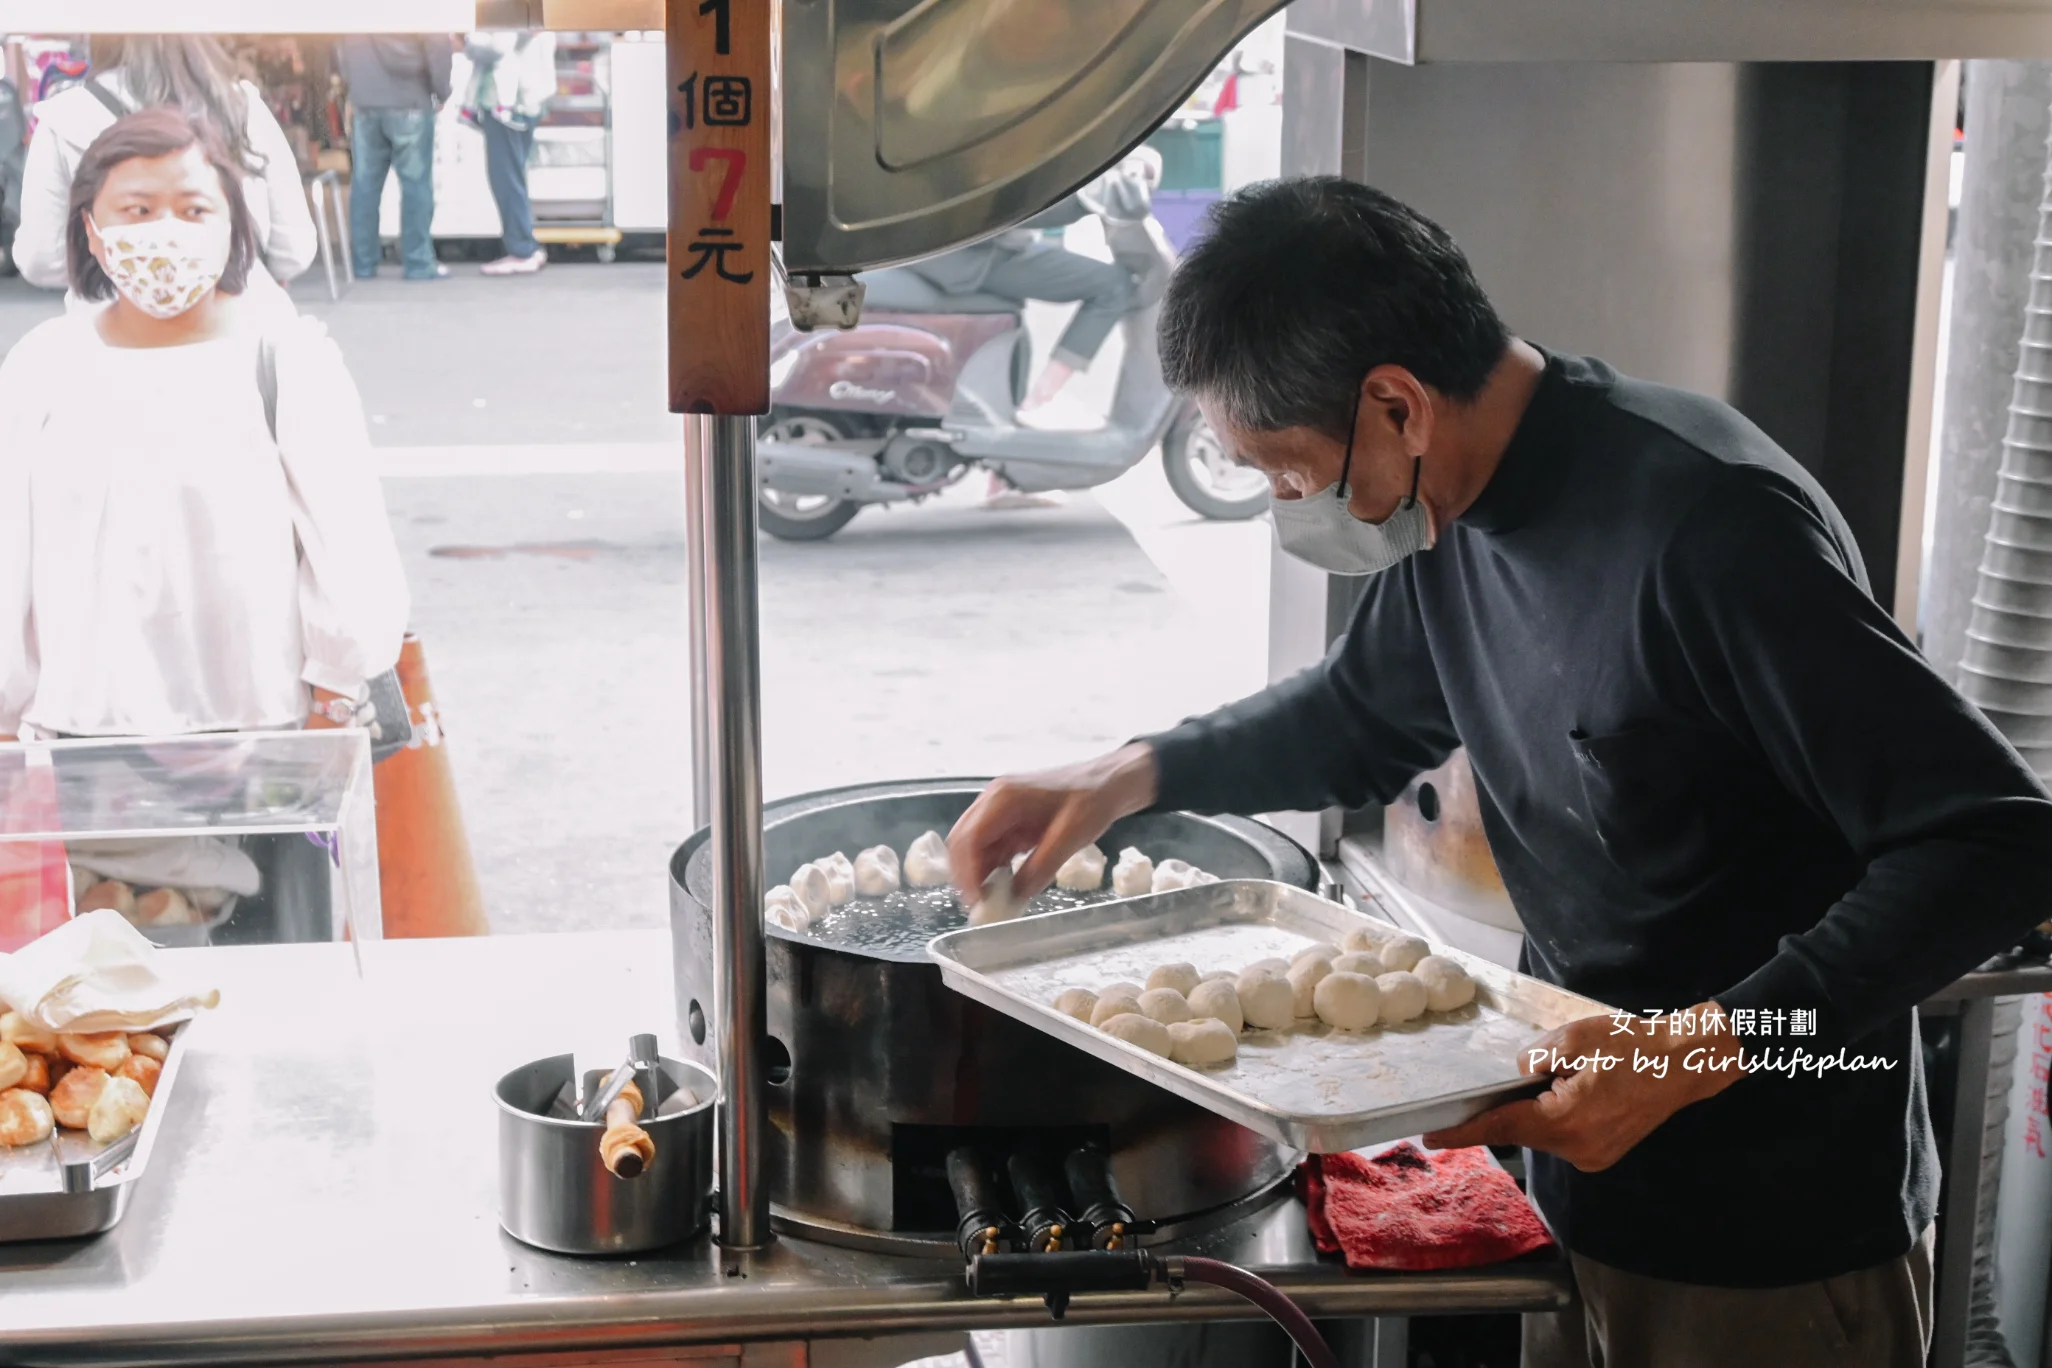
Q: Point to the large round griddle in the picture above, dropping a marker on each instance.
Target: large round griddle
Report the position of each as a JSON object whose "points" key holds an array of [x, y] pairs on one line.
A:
{"points": [[877, 1068]]}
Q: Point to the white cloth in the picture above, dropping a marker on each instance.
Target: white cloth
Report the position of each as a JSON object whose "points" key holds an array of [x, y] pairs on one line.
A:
{"points": [[66, 125], [98, 973], [165, 566], [182, 862]]}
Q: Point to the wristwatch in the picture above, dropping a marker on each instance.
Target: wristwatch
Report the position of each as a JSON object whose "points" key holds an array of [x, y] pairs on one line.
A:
{"points": [[340, 711]]}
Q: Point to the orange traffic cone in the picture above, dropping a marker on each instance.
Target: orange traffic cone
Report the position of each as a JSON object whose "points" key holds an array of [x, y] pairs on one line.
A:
{"points": [[425, 875]]}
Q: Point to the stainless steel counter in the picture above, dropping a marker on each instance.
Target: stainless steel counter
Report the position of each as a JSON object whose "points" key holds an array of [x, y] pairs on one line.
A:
{"points": [[324, 1190]]}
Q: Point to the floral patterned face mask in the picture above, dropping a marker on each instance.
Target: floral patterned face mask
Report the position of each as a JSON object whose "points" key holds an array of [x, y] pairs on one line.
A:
{"points": [[166, 265]]}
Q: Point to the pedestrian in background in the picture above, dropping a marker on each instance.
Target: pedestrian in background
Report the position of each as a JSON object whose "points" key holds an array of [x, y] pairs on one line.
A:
{"points": [[192, 73], [396, 83], [513, 78], [192, 536]]}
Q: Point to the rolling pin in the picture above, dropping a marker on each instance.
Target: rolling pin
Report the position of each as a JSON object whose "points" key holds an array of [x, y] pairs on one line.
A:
{"points": [[625, 1148]]}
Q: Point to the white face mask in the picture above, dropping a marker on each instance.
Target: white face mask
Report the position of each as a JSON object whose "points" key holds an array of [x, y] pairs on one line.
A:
{"points": [[165, 265], [1320, 530]]}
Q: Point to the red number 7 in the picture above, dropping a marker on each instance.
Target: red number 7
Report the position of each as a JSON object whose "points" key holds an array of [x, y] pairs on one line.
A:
{"points": [[730, 179]]}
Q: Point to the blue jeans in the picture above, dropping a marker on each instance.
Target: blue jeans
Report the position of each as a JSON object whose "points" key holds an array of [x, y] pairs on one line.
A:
{"points": [[506, 152], [401, 140]]}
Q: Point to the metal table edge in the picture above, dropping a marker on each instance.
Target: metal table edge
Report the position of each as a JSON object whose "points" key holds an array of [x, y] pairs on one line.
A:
{"points": [[804, 1311]]}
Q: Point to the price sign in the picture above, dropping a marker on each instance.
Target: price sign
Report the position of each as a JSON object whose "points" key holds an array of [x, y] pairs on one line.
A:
{"points": [[719, 240]]}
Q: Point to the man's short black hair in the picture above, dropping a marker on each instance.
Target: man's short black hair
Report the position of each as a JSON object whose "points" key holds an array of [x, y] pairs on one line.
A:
{"points": [[1303, 286]]}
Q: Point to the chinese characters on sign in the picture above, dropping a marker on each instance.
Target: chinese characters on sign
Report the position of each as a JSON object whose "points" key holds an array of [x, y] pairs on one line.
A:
{"points": [[1741, 1021], [718, 56]]}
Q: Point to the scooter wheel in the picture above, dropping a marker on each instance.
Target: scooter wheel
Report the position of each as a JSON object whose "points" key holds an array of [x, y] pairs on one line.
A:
{"points": [[1205, 477], [788, 519]]}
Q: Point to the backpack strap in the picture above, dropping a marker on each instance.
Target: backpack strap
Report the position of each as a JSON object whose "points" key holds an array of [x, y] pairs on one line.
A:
{"points": [[114, 103]]}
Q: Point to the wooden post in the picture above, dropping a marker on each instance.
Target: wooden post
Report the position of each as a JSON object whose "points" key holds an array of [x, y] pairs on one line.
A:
{"points": [[719, 232]]}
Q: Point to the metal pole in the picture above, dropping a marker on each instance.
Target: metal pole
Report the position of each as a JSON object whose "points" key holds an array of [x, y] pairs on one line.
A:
{"points": [[734, 719], [697, 443]]}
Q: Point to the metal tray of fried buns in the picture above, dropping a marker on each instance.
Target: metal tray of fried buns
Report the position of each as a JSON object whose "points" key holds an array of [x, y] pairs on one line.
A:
{"points": [[1312, 1087], [70, 1185]]}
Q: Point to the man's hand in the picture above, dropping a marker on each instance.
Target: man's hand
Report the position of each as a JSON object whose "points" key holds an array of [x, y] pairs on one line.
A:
{"points": [[1593, 1115], [1053, 813]]}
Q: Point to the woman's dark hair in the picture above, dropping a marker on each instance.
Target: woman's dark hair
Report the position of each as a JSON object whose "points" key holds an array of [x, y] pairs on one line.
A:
{"points": [[192, 72], [156, 132], [1304, 286]]}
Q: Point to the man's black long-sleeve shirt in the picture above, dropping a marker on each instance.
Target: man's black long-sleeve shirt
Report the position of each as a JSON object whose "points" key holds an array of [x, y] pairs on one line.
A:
{"points": [[1709, 766]]}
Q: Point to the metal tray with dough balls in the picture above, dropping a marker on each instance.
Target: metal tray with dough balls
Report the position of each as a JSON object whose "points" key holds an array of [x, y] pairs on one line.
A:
{"points": [[1312, 1087]]}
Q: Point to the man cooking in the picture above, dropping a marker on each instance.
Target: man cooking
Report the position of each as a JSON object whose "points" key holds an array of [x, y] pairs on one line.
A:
{"points": [[1719, 782]]}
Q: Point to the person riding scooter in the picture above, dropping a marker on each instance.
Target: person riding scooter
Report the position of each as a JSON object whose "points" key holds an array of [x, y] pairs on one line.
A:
{"points": [[1023, 264], [934, 379]]}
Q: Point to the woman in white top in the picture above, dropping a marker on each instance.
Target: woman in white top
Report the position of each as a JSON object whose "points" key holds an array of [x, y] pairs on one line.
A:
{"points": [[192, 73], [191, 538]]}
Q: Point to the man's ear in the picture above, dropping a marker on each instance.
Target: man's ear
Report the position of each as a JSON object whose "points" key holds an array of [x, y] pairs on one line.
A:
{"points": [[1407, 403]]}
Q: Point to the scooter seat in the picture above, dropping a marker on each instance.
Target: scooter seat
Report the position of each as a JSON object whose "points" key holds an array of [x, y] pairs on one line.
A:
{"points": [[896, 289]]}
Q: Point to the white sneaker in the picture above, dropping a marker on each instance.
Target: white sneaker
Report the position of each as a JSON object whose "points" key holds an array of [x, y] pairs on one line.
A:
{"points": [[1063, 413], [514, 265]]}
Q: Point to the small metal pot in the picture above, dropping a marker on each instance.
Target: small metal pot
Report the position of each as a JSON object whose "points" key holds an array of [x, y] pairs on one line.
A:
{"points": [[555, 1191]]}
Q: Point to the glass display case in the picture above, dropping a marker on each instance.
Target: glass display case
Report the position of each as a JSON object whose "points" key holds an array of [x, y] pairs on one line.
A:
{"points": [[218, 839]]}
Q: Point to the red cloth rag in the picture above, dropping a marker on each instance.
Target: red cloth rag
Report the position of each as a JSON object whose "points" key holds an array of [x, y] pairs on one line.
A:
{"points": [[1406, 1209]]}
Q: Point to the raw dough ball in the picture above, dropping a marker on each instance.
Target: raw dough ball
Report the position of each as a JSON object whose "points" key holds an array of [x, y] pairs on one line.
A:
{"points": [[1171, 875], [1181, 976], [840, 872], [1144, 1031], [877, 872], [1321, 951], [998, 902], [1304, 977], [1266, 1000], [1126, 986], [926, 861], [1082, 872], [1447, 984], [1403, 952], [809, 884], [1165, 1005], [1358, 962], [1219, 975], [1076, 1002], [1111, 1003], [781, 908], [1219, 1000], [24, 1118], [1403, 996], [1279, 967], [1350, 1002], [119, 1109], [1133, 874], [1360, 938], [1203, 1042]]}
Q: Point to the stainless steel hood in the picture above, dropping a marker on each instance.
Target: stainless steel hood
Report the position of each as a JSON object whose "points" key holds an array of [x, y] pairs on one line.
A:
{"points": [[931, 123]]}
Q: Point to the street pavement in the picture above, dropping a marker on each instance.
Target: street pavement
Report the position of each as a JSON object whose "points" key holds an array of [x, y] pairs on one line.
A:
{"points": [[531, 473]]}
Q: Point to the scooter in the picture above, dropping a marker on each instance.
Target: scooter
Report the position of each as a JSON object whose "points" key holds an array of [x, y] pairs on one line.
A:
{"points": [[927, 386]]}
